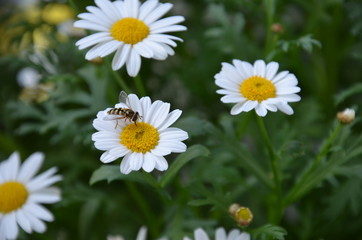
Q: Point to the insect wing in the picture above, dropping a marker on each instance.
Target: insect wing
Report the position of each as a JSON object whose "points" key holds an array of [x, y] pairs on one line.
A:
{"points": [[110, 117], [123, 98]]}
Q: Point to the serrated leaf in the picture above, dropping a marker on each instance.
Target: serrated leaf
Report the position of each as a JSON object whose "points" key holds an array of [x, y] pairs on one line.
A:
{"points": [[269, 231], [191, 153]]}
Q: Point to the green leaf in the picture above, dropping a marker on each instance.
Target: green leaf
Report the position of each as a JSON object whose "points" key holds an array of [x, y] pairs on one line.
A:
{"points": [[269, 231], [200, 202], [112, 172], [191, 153], [353, 90]]}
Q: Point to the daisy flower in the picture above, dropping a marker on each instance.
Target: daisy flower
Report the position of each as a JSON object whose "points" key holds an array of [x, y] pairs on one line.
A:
{"points": [[142, 143], [130, 29], [21, 195], [257, 87], [220, 234]]}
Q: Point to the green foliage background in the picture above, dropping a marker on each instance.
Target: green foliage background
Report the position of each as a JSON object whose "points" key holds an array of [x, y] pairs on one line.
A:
{"points": [[227, 160]]}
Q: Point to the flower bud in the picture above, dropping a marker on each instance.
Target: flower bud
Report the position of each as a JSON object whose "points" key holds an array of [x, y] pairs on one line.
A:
{"points": [[347, 116], [242, 215], [277, 28]]}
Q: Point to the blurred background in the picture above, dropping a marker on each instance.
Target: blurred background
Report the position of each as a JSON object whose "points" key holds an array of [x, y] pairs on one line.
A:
{"points": [[50, 95]]}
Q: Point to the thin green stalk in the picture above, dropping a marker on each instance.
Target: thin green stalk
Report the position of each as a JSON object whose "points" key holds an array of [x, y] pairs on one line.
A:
{"points": [[150, 218], [74, 6], [270, 13], [274, 166], [139, 85], [121, 82], [295, 192]]}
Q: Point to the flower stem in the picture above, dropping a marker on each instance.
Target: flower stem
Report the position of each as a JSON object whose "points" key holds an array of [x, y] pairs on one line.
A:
{"points": [[274, 166], [121, 82], [139, 85], [270, 12], [151, 220], [297, 191]]}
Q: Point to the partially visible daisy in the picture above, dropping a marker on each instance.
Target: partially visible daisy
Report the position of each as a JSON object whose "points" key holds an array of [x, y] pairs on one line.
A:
{"points": [[142, 235], [141, 144], [22, 193], [220, 234], [130, 29], [257, 87]]}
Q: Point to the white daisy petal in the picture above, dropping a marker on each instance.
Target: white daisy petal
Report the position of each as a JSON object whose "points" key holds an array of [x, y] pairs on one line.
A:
{"points": [[173, 134], [131, 30], [160, 115], [133, 63], [257, 87], [31, 166], [121, 56], [220, 234], [26, 214], [200, 234], [259, 68], [161, 163], [149, 162], [106, 157], [271, 70], [23, 222], [158, 12], [171, 118], [126, 164], [146, 8]]}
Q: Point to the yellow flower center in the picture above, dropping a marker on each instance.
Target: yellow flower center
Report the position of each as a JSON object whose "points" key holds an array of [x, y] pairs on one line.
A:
{"points": [[12, 196], [140, 138], [129, 30], [257, 88]]}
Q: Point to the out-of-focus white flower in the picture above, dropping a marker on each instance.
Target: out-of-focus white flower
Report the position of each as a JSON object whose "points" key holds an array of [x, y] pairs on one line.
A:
{"points": [[220, 234], [22, 193], [28, 77]]}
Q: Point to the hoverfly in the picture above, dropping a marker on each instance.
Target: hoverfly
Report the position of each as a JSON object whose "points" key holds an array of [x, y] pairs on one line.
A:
{"points": [[123, 113]]}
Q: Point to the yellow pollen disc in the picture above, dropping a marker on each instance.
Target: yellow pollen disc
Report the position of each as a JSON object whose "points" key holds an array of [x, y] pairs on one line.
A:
{"points": [[129, 30], [140, 138], [257, 88], [12, 196]]}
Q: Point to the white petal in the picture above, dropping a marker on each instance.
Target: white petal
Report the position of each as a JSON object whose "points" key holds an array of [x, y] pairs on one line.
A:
{"points": [[31, 166], [161, 163], [161, 151], [90, 26], [285, 108], [99, 17], [121, 57], [119, 152], [171, 118], [143, 50], [39, 212], [36, 224], [125, 164], [142, 234], [166, 22], [12, 230], [237, 108], [47, 195], [173, 146], [159, 115], [248, 105], [232, 98], [23, 221], [173, 134], [280, 76], [108, 8], [230, 73], [259, 68], [133, 63], [261, 110], [271, 70], [132, 7], [146, 8], [246, 69], [158, 12], [172, 28], [106, 157], [220, 234], [12, 167], [200, 234], [149, 162]]}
